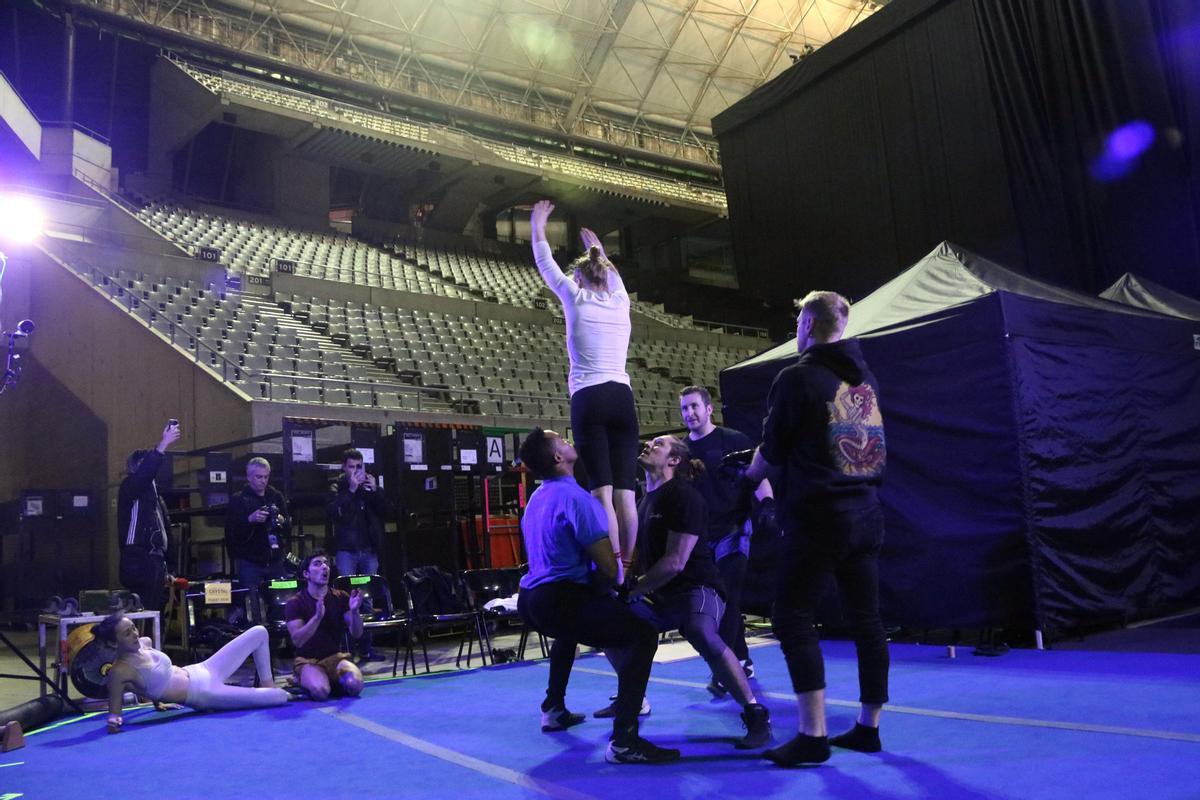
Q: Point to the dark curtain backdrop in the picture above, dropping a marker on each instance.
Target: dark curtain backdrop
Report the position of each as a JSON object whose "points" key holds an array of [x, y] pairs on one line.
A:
{"points": [[976, 121]]}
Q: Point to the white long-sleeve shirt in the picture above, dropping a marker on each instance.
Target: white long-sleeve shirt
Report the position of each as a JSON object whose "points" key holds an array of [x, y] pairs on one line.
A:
{"points": [[597, 324]]}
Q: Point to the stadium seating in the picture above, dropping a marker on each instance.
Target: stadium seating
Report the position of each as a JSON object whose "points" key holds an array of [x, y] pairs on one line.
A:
{"points": [[599, 176], [333, 351]]}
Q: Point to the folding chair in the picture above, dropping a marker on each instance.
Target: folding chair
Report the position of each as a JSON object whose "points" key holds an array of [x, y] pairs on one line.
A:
{"points": [[382, 614], [440, 601]]}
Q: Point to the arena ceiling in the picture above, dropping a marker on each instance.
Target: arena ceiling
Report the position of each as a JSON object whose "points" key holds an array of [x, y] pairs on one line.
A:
{"points": [[674, 61], [669, 65]]}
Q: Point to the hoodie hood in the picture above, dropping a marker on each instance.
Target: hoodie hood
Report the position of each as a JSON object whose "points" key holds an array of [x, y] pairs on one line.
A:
{"points": [[843, 358]]}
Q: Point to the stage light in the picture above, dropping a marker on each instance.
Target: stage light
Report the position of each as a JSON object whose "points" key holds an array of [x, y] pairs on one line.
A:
{"points": [[1130, 141], [1123, 148], [21, 219]]}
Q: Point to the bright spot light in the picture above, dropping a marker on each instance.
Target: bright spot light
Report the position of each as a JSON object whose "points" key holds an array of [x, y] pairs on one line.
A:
{"points": [[20, 219], [1122, 149], [1130, 141]]}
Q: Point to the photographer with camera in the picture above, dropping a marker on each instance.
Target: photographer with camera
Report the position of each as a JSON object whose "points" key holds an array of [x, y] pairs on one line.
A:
{"points": [[256, 531], [142, 523], [357, 509]]}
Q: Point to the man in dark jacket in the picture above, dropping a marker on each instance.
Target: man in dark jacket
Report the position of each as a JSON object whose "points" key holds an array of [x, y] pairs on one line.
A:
{"points": [[358, 511], [142, 523], [825, 430], [256, 532]]}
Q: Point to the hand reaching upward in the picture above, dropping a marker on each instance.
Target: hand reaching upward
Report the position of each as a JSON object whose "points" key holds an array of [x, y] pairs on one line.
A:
{"points": [[542, 210], [590, 240]]}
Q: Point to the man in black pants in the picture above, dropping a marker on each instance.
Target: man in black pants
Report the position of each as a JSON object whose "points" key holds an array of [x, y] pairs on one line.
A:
{"points": [[728, 512], [825, 429], [566, 532], [142, 524], [681, 575]]}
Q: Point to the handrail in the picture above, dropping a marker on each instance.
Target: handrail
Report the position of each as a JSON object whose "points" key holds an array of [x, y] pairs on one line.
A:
{"points": [[729, 327], [58, 123]]}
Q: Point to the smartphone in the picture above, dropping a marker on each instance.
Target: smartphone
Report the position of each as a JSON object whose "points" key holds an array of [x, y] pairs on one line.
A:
{"points": [[172, 422]]}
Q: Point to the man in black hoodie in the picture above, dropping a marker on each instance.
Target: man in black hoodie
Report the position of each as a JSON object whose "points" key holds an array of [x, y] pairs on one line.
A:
{"points": [[824, 428], [142, 524]]}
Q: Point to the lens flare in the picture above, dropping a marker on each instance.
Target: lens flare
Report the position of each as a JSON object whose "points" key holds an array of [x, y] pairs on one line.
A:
{"points": [[20, 219], [1122, 150]]}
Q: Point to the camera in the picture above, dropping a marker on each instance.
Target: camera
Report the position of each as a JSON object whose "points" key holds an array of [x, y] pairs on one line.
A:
{"points": [[172, 423], [272, 521]]}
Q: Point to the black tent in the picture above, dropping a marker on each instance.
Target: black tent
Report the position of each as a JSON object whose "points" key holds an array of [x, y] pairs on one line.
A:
{"points": [[1134, 290], [1044, 447]]}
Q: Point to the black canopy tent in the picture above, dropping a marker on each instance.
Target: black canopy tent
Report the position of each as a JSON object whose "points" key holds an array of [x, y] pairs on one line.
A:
{"points": [[1044, 447], [1134, 290]]}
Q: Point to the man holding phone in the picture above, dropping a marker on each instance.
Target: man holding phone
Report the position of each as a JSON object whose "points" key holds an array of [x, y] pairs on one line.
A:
{"points": [[357, 510], [142, 523]]}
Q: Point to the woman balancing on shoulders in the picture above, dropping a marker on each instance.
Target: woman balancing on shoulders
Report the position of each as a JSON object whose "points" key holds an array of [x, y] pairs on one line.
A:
{"points": [[150, 673], [604, 419]]}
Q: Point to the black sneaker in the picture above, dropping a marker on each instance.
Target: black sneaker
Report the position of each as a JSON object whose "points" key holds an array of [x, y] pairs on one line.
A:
{"points": [[757, 720], [559, 719], [748, 668], [716, 688], [637, 750]]}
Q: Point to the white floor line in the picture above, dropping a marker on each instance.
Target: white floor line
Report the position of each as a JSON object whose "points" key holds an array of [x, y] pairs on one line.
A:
{"points": [[960, 715], [460, 759]]}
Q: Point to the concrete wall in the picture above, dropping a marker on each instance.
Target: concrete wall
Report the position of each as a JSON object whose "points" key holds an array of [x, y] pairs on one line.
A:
{"points": [[301, 190]]}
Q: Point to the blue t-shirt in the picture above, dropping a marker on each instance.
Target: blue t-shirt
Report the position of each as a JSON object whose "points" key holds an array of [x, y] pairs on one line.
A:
{"points": [[561, 521]]}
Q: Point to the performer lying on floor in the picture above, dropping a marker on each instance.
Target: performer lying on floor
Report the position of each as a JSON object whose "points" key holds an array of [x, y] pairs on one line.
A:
{"points": [[149, 672]]}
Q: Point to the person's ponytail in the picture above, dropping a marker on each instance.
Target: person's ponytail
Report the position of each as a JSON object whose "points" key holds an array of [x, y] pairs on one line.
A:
{"points": [[593, 267]]}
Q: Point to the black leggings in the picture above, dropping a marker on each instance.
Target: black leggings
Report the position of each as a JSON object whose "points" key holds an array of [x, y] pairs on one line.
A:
{"points": [[573, 614], [696, 613], [604, 425], [842, 545]]}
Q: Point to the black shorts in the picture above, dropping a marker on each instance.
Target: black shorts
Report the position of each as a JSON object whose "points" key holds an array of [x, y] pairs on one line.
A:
{"points": [[604, 425]]}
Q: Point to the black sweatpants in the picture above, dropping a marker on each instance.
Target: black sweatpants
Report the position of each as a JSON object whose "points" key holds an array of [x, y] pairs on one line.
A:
{"points": [[827, 545], [144, 573]]}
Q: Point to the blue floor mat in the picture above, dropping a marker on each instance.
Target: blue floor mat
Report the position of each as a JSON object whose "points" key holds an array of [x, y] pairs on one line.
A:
{"points": [[1026, 725]]}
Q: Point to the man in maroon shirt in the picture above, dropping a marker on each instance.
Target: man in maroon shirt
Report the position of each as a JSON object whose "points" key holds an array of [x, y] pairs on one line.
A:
{"points": [[318, 619]]}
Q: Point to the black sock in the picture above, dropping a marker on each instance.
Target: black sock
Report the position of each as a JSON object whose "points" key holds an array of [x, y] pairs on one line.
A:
{"points": [[862, 738], [801, 750], [624, 735]]}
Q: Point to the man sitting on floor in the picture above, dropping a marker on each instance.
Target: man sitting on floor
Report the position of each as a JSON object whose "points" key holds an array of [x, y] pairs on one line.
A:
{"points": [[566, 531], [318, 619]]}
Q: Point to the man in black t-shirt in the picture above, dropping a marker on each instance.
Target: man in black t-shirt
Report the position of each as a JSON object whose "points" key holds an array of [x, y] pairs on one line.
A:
{"points": [[318, 619], [728, 513], [681, 577]]}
